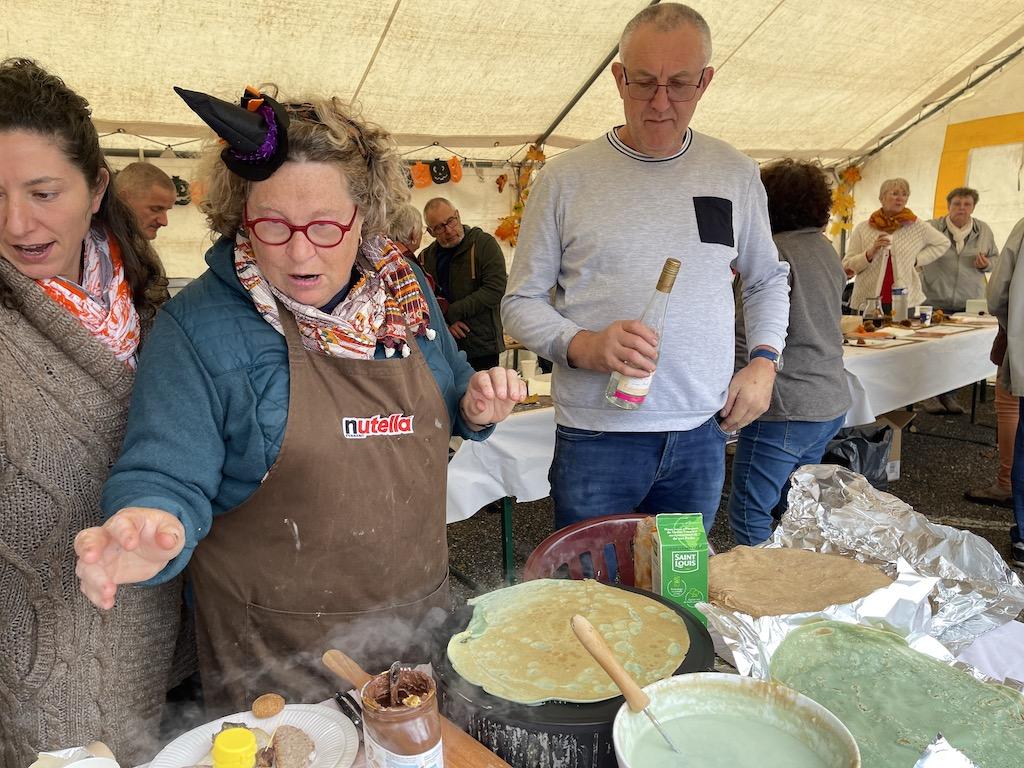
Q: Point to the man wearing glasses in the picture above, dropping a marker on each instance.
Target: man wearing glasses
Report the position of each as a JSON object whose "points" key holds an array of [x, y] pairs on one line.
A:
{"points": [[599, 225], [469, 268]]}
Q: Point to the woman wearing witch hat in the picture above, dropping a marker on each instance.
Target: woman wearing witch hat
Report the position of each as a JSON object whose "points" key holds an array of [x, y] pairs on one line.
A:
{"points": [[288, 437]]}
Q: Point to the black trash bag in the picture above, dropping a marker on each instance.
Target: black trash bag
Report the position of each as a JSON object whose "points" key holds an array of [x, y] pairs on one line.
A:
{"points": [[864, 450]]}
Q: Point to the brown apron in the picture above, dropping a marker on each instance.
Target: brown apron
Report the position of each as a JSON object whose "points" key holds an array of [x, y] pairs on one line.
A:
{"points": [[342, 546]]}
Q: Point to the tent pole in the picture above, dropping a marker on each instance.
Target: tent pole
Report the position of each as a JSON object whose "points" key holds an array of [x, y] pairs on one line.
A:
{"points": [[579, 94]]}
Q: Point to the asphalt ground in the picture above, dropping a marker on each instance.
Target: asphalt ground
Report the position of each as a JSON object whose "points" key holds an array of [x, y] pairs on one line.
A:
{"points": [[942, 456]]}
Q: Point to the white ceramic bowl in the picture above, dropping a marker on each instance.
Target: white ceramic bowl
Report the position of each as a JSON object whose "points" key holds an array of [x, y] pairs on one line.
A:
{"points": [[714, 693]]}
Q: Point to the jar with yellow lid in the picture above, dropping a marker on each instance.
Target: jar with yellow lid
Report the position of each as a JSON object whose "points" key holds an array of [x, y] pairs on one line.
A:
{"points": [[234, 748]]}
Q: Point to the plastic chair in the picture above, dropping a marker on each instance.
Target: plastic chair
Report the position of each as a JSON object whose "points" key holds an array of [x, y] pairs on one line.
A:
{"points": [[600, 548]]}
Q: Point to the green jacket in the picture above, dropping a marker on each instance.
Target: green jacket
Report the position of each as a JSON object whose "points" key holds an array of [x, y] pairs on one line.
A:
{"points": [[477, 275]]}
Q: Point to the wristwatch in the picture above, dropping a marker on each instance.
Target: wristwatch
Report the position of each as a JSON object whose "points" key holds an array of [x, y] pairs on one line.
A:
{"points": [[768, 354]]}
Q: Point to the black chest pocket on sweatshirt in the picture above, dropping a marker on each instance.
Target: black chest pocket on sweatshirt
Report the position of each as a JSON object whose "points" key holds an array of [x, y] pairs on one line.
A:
{"points": [[714, 220]]}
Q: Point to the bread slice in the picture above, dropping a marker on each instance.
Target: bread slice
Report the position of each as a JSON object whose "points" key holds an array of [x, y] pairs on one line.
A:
{"points": [[293, 747]]}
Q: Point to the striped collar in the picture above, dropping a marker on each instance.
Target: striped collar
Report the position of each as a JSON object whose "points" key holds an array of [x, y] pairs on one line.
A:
{"points": [[618, 144]]}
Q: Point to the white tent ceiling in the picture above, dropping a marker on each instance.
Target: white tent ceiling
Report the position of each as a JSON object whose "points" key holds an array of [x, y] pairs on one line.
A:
{"points": [[816, 78]]}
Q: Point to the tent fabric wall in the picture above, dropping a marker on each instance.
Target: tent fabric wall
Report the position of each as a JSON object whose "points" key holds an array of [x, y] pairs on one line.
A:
{"points": [[816, 78]]}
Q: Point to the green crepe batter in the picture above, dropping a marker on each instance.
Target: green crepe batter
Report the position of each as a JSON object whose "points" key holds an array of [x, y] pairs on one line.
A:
{"points": [[724, 741], [895, 700]]}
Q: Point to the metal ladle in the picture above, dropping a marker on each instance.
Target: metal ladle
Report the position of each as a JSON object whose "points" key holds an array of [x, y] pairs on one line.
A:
{"points": [[637, 700]]}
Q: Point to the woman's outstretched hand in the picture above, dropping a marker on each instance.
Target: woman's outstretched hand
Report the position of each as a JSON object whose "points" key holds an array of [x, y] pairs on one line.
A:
{"points": [[133, 545]]}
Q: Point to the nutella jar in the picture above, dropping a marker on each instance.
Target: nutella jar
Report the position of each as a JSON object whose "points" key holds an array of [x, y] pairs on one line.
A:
{"points": [[401, 724]]}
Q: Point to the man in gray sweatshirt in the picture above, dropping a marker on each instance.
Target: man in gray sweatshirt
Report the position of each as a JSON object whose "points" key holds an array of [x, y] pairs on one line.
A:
{"points": [[599, 224]]}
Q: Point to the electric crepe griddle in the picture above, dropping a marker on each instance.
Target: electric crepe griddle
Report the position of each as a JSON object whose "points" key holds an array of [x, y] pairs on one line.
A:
{"points": [[554, 733]]}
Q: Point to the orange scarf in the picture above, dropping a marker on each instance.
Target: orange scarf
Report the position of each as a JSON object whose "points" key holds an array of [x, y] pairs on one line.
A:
{"points": [[103, 302], [385, 305], [883, 222]]}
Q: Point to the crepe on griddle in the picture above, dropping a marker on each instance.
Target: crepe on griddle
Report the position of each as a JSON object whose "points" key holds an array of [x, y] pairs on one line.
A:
{"points": [[519, 645], [762, 581], [895, 699]]}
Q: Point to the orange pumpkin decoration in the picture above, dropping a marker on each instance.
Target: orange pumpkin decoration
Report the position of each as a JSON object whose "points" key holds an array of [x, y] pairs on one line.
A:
{"points": [[455, 167], [421, 175]]}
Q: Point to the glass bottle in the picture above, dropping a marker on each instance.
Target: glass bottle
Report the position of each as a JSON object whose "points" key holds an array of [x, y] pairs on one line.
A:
{"points": [[899, 304], [626, 391]]}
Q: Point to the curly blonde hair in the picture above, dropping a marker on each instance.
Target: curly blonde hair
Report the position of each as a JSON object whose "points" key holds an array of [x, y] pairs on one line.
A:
{"points": [[325, 130]]}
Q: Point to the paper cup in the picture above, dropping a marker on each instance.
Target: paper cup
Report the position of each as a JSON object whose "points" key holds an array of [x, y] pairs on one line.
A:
{"points": [[924, 313]]}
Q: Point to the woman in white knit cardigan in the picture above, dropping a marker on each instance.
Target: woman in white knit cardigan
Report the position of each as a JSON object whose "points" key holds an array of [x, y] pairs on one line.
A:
{"points": [[891, 235]]}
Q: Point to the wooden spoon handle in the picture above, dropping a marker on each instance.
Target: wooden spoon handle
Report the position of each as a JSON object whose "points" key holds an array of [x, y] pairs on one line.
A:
{"points": [[346, 668], [598, 648]]}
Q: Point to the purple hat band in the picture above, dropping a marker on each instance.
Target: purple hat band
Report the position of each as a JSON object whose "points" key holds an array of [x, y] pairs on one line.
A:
{"points": [[269, 144]]}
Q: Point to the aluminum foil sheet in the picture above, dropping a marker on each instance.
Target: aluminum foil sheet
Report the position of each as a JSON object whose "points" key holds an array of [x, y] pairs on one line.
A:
{"points": [[832, 509], [902, 607], [941, 754], [951, 585]]}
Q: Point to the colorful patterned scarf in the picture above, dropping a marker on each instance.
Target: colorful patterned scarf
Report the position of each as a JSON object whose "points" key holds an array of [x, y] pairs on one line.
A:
{"points": [[103, 302], [383, 306], [883, 222]]}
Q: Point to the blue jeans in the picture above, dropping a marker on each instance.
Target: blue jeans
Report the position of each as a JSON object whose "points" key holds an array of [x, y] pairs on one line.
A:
{"points": [[1017, 481], [766, 455], [612, 473]]}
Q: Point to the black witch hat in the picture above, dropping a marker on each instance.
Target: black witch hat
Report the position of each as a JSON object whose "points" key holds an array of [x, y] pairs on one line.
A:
{"points": [[255, 130]]}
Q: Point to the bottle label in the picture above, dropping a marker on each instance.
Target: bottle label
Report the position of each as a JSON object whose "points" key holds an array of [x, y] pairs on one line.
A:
{"points": [[633, 390], [379, 757]]}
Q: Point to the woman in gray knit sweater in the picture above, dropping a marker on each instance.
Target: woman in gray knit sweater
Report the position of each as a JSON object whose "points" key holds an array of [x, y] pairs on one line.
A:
{"points": [[79, 285]]}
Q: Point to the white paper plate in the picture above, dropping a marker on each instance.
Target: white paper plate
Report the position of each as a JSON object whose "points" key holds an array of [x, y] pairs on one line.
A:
{"points": [[336, 739]]}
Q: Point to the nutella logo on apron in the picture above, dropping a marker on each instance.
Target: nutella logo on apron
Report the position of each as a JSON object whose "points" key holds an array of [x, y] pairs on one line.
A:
{"points": [[376, 426]]}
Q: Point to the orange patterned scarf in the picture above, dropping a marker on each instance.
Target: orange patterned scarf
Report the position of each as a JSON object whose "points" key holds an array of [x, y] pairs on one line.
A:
{"points": [[385, 305], [103, 302], [883, 222]]}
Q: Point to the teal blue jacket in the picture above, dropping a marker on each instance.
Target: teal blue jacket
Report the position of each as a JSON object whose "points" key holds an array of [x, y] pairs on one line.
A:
{"points": [[210, 403]]}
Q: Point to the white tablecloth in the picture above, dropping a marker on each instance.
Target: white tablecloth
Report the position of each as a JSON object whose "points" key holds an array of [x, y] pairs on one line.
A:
{"points": [[514, 460], [882, 380]]}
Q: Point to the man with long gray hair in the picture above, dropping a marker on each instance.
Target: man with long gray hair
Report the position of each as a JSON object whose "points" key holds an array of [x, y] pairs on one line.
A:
{"points": [[599, 224]]}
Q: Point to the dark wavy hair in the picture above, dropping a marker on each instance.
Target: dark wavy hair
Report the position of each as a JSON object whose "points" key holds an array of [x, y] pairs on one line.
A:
{"points": [[34, 101], [799, 195]]}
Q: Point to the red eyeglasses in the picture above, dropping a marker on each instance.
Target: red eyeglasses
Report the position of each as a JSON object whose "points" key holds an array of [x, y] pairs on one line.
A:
{"points": [[322, 233]]}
